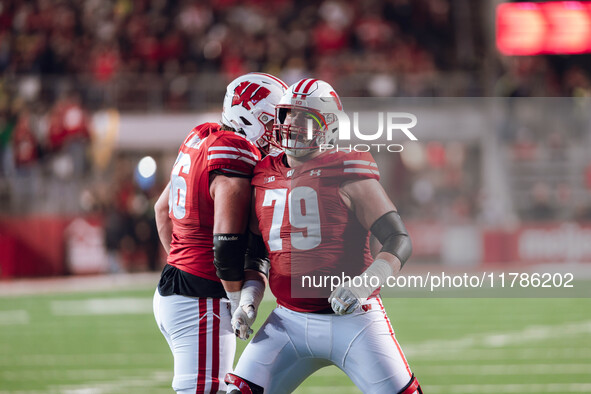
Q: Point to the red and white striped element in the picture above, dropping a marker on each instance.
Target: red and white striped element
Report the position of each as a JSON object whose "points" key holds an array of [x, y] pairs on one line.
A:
{"points": [[394, 337], [273, 78], [304, 88], [413, 387], [231, 153], [360, 167], [208, 363], [238, 382], [193, 141]]}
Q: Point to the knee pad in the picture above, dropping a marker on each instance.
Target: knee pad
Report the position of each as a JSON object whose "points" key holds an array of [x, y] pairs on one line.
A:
{"points": [[412, 387], [237, 385]]}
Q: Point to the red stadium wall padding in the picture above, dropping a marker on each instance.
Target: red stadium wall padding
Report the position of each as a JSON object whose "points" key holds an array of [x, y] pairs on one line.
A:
{"points": [[36, 246], [498, 246], [32, 246], [7, 256], [539, 243], [529, 243], [427, 238]]}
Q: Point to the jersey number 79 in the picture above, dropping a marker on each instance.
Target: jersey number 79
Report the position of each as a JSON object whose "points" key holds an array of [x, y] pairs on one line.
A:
{"points": [[304, 214]]}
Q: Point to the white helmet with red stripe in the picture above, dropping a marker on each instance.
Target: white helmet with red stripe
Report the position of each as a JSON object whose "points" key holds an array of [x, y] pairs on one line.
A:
{"points": [[249, 104], [307, 116]]}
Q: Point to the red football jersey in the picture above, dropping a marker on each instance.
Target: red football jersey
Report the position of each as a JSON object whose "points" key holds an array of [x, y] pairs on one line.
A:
{"points": [[206, 148], [308, 230]]}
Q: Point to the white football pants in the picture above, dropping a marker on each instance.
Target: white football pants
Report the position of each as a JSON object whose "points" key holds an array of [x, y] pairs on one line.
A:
{"points": [[290, 346], [199, 334]]}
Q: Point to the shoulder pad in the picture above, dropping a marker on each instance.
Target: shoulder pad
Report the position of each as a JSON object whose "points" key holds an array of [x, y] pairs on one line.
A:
{"points": [[231, 152], [353, 165], [205, 129], [264, 168]]}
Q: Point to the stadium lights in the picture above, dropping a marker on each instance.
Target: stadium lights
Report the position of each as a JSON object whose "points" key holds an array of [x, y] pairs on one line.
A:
{"points": [[544, 28], [147, 167], [145, 172]]}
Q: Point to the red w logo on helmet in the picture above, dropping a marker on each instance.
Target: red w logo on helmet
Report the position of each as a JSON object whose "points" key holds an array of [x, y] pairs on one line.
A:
{"points": [[248, 93]]}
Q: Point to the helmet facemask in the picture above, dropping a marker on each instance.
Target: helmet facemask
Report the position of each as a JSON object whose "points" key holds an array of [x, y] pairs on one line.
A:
{"points": [[306, 118], [299, 131]]}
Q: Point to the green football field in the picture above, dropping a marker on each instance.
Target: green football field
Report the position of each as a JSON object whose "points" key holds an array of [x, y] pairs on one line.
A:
{"points": [[107, 342]]}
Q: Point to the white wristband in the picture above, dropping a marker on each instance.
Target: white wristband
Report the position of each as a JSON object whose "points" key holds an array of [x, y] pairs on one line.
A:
{"points": [[234, 297], [252, 293], [379, 269]]}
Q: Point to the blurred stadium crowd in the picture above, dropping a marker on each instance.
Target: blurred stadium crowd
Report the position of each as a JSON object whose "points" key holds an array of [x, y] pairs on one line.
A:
{"points": [[169, 42], [64, 61], [375, 48]]}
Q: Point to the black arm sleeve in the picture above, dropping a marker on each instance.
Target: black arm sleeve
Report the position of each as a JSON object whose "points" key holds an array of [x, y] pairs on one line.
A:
{"points": [[229, 173], [257, 257], [228, 251], [391, 232]]}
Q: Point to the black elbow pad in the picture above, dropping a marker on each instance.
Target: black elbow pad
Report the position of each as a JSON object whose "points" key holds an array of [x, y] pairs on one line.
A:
{"points": [[392, 234], [257, 257], [228, 251]]}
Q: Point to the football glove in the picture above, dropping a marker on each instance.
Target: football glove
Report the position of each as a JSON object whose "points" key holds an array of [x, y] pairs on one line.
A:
{"points": [[242, 319], [246, 313], [345, 299]]}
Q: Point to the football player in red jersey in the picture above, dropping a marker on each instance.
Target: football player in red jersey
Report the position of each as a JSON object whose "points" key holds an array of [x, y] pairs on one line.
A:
{"points": [[315, 211], [208, 287]]}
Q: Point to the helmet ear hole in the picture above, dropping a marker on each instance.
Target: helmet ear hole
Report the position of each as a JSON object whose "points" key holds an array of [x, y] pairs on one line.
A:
{"points": [[246, 122]]}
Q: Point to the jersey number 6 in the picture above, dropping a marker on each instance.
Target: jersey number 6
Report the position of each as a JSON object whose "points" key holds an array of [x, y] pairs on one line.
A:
{"points": [[178, 186]]}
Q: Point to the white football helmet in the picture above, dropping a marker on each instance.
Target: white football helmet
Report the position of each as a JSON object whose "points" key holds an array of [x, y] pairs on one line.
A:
{"points": [[307, 116], [250, 103]]}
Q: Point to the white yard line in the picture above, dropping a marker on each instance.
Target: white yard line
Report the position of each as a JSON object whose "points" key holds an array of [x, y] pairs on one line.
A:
{"points": [[19, 316], [332, 389], [535, 333], [45, 374], [510, 369], [470, 388], [79, 284], [510, 388], [102, 306], [44, 360], [122, 385], [550, 352]]}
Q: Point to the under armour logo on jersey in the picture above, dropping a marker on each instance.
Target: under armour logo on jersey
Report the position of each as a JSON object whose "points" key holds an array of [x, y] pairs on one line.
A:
{"points": [[290, 172], [315, 172], [270, 179], [248, 93]]}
